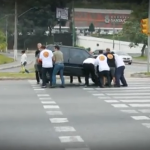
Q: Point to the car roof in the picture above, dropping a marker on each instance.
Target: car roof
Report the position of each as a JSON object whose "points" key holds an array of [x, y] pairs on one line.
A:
{"points": [[67, 46]]}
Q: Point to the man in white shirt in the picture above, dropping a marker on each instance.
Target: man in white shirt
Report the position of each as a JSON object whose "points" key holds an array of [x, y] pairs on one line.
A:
{"points": [[46, 58], [24, 62], [89, 69], [103, 69], [120, 66]]}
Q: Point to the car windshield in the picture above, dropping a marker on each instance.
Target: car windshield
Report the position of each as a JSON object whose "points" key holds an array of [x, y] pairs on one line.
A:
{"points": [[122, 53]]}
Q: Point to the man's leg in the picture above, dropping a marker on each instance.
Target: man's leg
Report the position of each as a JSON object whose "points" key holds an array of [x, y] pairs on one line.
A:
{"points": [[93, 74], [107, 75], [55, 71], [101, 83], [37, 77], [62, 75], [71, 79], [86, 73], [50, 71], [118, 75], [79, 79], [122, 78], [44, 71]]}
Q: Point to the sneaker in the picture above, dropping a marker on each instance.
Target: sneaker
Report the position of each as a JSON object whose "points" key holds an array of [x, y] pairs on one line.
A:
{"points": [[43, 86], [62, 86]]}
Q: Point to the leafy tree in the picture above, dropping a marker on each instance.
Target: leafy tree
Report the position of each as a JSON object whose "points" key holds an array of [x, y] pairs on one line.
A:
{"points": [[2, 41], [91, 28], [132, 30]]}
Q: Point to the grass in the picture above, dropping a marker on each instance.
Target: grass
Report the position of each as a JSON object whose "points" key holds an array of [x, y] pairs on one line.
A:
{"points": [[17, 75], [144, 58], [4, 59]]}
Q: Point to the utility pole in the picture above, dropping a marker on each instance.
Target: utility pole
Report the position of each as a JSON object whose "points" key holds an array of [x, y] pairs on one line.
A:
{"points": [[148, 51], [15, 33], [73, 38], [6, 34]]}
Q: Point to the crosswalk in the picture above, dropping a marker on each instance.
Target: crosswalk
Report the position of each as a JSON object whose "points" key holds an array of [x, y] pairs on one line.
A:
{"points": [[133, 100]]}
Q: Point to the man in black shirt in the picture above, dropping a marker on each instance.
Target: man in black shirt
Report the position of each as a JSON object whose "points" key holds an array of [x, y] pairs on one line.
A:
{"points": [[111, 64]]}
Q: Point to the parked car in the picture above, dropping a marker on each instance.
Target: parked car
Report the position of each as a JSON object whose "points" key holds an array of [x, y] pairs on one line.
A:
{"points": [[126, 58], [73, 59]]}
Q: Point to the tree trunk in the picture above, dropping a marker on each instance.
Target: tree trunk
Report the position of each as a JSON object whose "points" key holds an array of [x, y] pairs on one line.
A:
{"points": [[142, 50]]}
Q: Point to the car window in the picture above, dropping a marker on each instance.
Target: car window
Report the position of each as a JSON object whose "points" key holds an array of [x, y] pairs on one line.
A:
{"points": [[50, 47], [96, 52], [65, 51], [78, 56]]}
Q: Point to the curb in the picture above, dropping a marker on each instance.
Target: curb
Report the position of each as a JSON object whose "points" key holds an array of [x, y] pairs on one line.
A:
{"points": [[14, 66], [134, 62]]}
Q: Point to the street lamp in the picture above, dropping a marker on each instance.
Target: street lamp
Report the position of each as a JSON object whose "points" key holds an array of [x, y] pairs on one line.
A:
{"points": [[15, 29]]}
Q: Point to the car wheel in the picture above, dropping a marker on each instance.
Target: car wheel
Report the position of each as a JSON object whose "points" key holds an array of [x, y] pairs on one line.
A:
{"points": [[130, 63]]}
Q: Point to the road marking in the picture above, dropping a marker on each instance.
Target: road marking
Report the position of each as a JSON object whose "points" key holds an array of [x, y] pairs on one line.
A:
{"points": [[54, 113], [139, 105], [43, 95], [58, 120], [130, 111], [146, 125], [135, 101], [144, 110], [111, 101], [122, 88], [100, 94], [93, 91], [140, 117], [104, 97], [46, 98], [48, 102], [64, 129], [119, 105], [51, 107], [67, 139], [88, 89], [77, 149], [127, 91], [141, 94], [39, 89], [132, 97]]}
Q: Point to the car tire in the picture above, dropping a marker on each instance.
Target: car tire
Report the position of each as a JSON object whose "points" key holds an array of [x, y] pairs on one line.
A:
{"points": [[130, 63]]}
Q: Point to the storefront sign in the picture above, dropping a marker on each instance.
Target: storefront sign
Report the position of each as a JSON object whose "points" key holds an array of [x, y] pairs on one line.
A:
{"points": [[115, 19]]}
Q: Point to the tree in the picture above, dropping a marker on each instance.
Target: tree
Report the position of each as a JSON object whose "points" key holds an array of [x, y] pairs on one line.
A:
{"points": [[91, 28], [132, 30], [2, 41]]}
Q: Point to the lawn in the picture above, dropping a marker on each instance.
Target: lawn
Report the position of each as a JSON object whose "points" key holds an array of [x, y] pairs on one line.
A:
{"points": [[4, 59], [144, 58], [17, 75]]}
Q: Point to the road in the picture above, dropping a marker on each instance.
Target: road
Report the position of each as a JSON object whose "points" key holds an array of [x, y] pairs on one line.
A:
{"points": [[74, 118]]}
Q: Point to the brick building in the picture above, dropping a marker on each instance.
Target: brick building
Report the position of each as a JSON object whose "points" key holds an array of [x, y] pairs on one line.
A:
{"points": [[101, 18]]}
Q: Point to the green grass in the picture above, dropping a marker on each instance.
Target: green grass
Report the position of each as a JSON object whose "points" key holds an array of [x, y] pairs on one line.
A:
{"points": [[144, 58], [4, 59], [17, 75]]}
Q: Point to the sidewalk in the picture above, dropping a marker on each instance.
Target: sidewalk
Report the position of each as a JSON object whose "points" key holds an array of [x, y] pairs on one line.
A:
{"points": [[12, 65]]}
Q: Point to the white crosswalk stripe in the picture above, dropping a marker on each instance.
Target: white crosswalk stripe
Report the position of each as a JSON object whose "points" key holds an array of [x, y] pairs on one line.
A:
{"points": [[133, 100]]}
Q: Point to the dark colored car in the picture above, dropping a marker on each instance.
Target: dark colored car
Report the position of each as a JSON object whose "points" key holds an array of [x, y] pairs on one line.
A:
{"points": [[73, 59]]}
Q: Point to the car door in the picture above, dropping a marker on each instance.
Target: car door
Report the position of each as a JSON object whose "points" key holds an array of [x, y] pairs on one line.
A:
{"points": [[66, 53], [77, 56]]}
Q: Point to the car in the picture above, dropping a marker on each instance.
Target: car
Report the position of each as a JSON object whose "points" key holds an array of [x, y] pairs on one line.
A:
{"points": [[126, 58], [73, 59]]}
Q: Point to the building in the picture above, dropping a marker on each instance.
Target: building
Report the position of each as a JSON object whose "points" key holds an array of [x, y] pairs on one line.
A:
{"points": [[101, 18]]}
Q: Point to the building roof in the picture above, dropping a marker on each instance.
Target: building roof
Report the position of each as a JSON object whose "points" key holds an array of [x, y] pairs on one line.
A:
{"points": [[115, 11]]}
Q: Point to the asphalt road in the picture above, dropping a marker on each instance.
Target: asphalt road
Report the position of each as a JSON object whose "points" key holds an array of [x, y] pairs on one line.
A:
{"points": [[74, 118]]}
